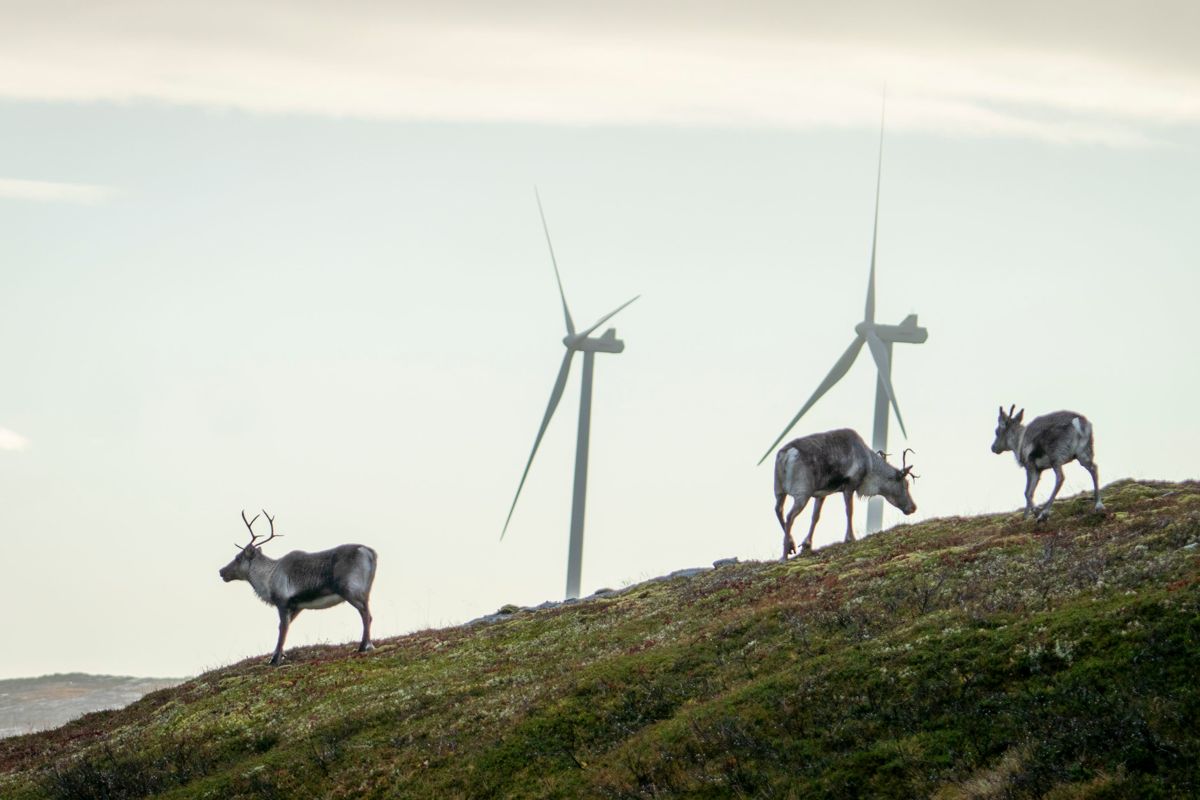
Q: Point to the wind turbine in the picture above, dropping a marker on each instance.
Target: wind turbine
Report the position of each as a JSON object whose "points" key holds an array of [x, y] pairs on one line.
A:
{"points": [[879, 338], [575, 342]]}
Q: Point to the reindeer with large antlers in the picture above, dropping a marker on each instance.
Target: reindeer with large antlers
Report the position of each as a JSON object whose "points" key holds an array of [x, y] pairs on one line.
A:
{"points": [[302, 580], [835, 461]]}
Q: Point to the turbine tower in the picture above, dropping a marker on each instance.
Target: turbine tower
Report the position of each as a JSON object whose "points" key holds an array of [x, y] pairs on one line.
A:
{"points": [[575, 342], [880, 339]]}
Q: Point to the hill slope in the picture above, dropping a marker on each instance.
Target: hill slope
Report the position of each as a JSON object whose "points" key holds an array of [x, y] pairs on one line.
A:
{"points": [[961, 657]]}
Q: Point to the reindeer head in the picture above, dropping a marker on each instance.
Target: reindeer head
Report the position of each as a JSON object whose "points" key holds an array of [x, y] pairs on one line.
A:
{"points": [[239, 568], [1007, 424], [894, 487]]}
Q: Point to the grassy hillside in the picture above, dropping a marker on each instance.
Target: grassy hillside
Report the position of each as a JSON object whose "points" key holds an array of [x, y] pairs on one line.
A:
{"points": [[958, 658]]}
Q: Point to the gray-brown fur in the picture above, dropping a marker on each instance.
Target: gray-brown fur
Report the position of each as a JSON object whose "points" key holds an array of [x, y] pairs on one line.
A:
{"points": [[301, 580], [1048, 442], [835, 461]]}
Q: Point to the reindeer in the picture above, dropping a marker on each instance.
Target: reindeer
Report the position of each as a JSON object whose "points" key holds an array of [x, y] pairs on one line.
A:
{"points": [[1049, 442], [302, 580], [834, 461]]}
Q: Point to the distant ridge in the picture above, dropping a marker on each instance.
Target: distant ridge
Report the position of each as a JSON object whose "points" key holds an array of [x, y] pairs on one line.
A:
{"points": [[34, 704], [965, 657]]}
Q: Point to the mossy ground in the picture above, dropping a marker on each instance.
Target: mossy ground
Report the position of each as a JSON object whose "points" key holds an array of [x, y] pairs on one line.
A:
{"points": [[958, 658]]}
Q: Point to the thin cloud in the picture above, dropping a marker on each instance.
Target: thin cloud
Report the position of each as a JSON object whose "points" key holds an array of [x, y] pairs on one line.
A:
{"points": [[53, 191], [10, 440], [953, 68]]}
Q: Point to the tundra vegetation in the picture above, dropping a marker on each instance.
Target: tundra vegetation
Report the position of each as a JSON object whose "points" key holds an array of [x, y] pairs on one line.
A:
{"points": [[955, 658]]}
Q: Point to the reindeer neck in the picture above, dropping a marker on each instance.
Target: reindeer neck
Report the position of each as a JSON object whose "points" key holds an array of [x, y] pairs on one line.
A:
{"points": [[1016, 437], [261, 570], [876, 472]]}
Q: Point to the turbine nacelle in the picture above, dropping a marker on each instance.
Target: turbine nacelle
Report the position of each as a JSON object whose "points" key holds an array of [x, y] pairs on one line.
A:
{"points": [[607, 342], [907, 331]]}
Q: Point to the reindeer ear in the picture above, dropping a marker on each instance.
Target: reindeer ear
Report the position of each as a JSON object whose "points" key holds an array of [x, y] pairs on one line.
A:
{"points": [[1020, 416], [1002, 417]]}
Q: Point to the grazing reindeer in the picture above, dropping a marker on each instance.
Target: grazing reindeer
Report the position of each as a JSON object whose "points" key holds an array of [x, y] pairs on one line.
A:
{"points": [[835, 461], [1049, 442], [302, 580]]}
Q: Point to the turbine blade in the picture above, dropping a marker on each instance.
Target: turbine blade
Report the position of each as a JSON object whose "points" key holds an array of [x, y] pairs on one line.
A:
{"points": [[835, 375], [879, 351], [554, 261], [555, 395], [606, 318], [869, 313]]}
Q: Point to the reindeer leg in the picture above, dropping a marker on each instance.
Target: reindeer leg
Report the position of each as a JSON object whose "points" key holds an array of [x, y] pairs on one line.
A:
{"points": [[1044, 514], [365, 613], [806, 545], [1094, 471], [849, 495], [285, 619], [1032, 476], [780, 499], [789, 544]]}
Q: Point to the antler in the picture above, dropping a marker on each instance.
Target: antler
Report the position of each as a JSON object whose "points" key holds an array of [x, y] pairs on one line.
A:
{"points": [[254, 536], [270, 520], [250, 526], [905, 468]]}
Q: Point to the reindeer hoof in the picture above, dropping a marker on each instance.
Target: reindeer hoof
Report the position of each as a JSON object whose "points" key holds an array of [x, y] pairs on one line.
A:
{"points": [[366, 648], [1100, 509]]}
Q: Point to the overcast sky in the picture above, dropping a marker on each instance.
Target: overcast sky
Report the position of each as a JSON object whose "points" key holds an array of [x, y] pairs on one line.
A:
{"points": [[288, 256]]}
